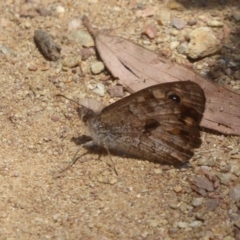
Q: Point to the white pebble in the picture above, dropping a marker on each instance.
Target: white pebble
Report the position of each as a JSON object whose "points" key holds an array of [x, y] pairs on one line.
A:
{"points": [[60, 9], [174, 45], [215, 23], [195, 224], [183, 224], [99, 90]]}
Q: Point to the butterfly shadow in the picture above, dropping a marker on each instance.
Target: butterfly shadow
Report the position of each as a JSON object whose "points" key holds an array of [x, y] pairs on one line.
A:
{"points": [[83, 140]]}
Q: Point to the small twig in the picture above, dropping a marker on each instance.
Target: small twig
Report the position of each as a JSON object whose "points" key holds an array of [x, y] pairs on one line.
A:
{"points": [[93, 31]]}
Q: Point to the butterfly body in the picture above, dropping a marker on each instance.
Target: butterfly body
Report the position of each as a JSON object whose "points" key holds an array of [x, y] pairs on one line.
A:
{"points": [[159, 123]]}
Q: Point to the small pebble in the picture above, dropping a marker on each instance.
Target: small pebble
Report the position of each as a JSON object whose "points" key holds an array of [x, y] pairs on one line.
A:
{"points": [[230, 238], [174, 32], [174, 5], [153, 223], [203, 182], [203, 18], [5, 50], [174, 205], [164, 17], [182, 224], [71, 62], [147, 12], [33, 68], [196, 202], [102, 179], [212, 204], [115, 91], [113, 180], [172, 230], [234, 192], [192, 22], [44, 12], [82, 37], [233, 209], [27, 25], [195, 224], [86, 53], [99, 90], [226, 178], [181, 49], [236, 15], [55, 118], [206, 161], [60, 9], [157, 170], [97, 67], [185, 207], [150, 30], [174, 45], [178, 23], [235, 169], [177, 188], [214, 23], [152, 47], [74, 24]]}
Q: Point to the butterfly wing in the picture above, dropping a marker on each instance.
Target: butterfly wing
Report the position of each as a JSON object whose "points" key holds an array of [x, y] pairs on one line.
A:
{"points": [[159, 123]]}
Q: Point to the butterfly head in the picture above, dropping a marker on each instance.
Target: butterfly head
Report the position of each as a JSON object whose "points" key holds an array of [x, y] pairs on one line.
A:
{"points": [[85, 114], [89, 108]]}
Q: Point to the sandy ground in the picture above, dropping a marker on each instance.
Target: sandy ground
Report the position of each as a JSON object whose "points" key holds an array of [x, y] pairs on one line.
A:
{"points": [[88, 201]]}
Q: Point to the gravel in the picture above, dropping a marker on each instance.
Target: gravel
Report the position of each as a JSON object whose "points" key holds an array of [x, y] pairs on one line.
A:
{"points": [[41, 132]]}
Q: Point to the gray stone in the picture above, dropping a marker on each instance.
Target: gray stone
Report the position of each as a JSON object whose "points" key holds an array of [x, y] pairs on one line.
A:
{"points": [[182, 48], [206, 161], [234, 192], [178, 23], [203, 183], [212, 204], [236, 15], [226, 178], [82, 37]]}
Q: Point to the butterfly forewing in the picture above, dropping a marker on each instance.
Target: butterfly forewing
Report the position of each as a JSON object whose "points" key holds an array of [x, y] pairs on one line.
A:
{"points": [[159, 123]]}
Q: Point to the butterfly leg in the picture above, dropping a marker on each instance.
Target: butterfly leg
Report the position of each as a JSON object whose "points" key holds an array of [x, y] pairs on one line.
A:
{"points": [[74, 160], [112, 162], [92, 145]]}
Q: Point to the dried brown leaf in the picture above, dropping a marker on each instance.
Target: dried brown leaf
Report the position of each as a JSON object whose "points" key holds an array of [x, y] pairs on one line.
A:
{"points": [[138, 68]]}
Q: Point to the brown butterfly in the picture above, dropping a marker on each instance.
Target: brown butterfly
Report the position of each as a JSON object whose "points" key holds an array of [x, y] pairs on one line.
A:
{"points": [[159, 123]]}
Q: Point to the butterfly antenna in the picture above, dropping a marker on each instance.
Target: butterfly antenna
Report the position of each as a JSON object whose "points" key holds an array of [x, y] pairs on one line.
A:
{"points": [[60, 95]]}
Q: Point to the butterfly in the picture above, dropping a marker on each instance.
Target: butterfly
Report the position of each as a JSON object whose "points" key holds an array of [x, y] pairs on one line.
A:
{"points": [[159, 123]]}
